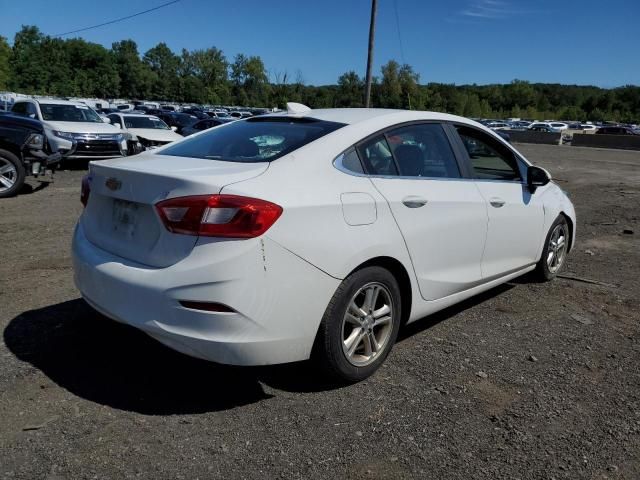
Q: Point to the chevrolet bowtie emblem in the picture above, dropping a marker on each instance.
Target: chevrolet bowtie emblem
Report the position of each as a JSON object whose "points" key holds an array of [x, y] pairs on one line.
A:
{"points": [[113, 183]]}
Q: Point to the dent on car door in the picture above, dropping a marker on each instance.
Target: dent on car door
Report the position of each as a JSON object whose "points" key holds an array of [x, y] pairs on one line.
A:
{"points": [[442, 217], [516, 216]]}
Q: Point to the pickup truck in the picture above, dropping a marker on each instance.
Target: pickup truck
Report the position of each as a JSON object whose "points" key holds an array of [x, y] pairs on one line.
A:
{"points": [[24, 150]]}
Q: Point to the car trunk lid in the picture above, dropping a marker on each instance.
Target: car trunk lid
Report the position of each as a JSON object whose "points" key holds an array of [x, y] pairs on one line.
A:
{"points": [[120, 216]]}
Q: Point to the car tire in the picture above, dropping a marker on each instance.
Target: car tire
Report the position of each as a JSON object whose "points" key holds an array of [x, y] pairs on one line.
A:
{"points": [[360, 325], [16, 174], [553, 255]]}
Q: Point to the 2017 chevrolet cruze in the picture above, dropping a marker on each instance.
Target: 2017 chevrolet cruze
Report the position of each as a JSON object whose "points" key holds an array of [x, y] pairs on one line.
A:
{"points": [[313, 233]]}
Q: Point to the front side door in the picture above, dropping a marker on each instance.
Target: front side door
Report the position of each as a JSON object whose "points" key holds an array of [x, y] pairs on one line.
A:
{"points": [[442, 217], [516, 217]]}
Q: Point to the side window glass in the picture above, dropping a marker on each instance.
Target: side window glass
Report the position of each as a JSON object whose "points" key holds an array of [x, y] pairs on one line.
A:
{"points": [[20, 108], [377, 157], [489, 158], [423, 150], [349, 160], [31, 110]]}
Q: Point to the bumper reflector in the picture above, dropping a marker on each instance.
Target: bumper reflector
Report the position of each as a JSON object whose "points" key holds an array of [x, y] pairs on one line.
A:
{"points": [[207, 306]]}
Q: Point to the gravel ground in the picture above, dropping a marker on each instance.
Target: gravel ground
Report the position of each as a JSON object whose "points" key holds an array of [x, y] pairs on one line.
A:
{"points": [[528, 381]]}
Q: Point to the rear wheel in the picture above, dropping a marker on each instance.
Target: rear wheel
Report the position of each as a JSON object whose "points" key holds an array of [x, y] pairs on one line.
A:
{"points": [[12, 174], [555, 250], [360, 325]]}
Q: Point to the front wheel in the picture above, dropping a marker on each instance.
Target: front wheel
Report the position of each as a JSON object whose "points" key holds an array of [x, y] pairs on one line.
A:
{"points": [[360, 325], [555, 250], [12, 174]]}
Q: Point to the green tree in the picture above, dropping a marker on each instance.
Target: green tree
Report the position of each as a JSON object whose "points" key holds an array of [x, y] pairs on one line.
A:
{"points": [[250, 81], [165, 65], [411, 95], [390, 90], [211, 68], [350, 90], [28, 65], [5, 70], [472, 108], [38, 64], [136, 78], [91, 68], [518, 92]]}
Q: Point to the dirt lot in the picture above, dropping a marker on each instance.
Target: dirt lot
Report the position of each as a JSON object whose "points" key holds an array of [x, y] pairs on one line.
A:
{"points": [[529, 381]]}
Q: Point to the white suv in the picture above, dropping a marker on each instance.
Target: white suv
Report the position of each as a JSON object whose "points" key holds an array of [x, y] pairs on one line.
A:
{"points": [[74, 129]]}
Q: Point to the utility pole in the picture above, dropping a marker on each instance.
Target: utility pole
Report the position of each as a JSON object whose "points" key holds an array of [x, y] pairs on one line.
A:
{"points": [[372, 30]]}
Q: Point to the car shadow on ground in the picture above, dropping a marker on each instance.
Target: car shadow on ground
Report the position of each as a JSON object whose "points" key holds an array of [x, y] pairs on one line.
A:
{"points": [[432, 320], [28, 189], [119, 366]]}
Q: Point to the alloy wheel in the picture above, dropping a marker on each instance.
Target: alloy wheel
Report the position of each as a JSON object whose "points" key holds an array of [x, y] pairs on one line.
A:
{"points": [[8, 174], [557, 248], [367, 324]]}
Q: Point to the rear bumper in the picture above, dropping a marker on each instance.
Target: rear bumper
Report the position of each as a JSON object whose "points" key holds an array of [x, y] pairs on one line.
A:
{"points": [[279, 299]]}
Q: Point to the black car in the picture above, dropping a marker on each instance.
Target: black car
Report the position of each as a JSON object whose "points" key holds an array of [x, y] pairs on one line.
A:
{"points": [[24, 150], [178, 120], [199, 114], [204, 125], [504, 135], [617, 131], [542, 128]]}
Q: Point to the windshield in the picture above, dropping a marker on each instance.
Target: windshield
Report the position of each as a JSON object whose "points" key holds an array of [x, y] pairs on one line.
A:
{"points": [[184, 119], [254, 140], [145, 122], [69, 113]]}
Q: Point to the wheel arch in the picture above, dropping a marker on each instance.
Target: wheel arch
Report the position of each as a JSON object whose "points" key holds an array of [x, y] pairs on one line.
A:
{"points": [[11, 148], [571, 229], [401, 275]]}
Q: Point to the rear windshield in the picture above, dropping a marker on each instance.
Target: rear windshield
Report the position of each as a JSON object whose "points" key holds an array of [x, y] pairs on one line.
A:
{"points": [[253, 140]]}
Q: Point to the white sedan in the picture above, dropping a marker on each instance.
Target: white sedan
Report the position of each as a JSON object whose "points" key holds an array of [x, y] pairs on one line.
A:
{"points": [[313, 233], [148, 130]]}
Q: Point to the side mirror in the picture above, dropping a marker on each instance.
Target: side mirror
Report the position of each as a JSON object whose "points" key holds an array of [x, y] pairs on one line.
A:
{"points": [[537, 177], [117, 125], [174, 128], [106, 119]]}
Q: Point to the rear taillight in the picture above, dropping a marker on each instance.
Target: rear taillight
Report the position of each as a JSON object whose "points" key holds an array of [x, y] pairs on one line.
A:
{"points": [[85, 190], [218, 215]]}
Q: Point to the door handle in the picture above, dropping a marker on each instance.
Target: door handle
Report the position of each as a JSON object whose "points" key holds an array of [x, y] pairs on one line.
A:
{"points": [[497, 202], [413, 201]]}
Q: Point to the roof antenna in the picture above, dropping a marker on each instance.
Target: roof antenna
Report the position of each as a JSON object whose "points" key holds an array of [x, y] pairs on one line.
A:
{"points": [[293, 107]]}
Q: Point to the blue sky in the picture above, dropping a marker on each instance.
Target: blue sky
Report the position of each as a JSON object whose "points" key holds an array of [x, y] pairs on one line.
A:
{"points": [[591, 42]]}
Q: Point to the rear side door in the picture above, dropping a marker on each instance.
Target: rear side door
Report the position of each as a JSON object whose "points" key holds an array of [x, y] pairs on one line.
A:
{"points": [[516, 217], [441, 215]]}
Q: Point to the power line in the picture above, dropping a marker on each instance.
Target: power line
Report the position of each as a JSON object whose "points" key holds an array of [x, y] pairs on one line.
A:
{"points": [[117, 19], [395, 6]]}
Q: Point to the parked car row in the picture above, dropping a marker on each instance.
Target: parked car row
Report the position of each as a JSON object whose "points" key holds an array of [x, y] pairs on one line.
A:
{"points": [[552, 126], [37, 133]]}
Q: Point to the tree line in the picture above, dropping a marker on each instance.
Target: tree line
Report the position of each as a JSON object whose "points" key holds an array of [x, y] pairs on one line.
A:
{"points": [[40, 64]]}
